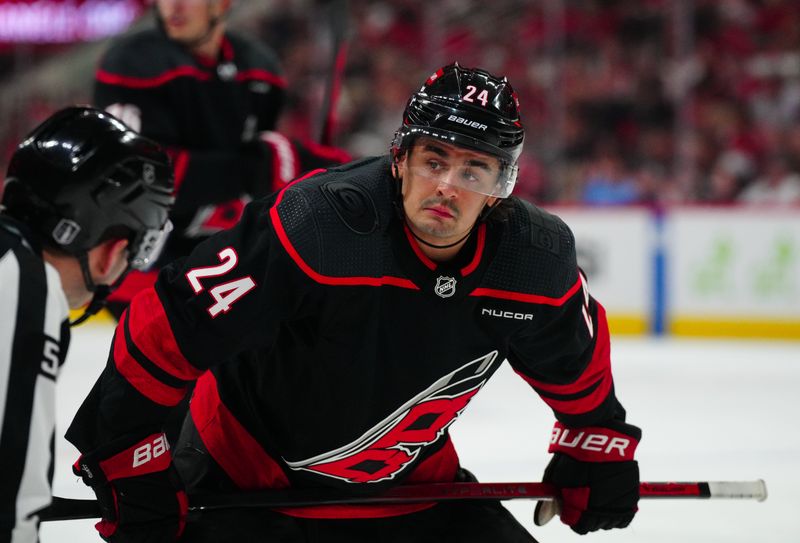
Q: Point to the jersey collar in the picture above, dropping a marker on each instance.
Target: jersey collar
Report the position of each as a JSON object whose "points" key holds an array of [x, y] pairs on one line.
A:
{"points": [[454, 278], [476, 240]]}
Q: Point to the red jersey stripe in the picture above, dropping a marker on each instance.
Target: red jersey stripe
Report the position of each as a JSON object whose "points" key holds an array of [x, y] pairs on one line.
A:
{"points": [[597, 371], [149, 82], [133, 284], [147, 385], [527, 298], [259, 74], [324, 151], [598, 368], [469, 268], [318, 277], [151, 332], [229, 443], [430, 264], [581, 405]]}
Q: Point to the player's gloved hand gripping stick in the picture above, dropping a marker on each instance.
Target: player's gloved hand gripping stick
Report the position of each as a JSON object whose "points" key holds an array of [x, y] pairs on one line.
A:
{"points": [[595, 476], [138, 492]]}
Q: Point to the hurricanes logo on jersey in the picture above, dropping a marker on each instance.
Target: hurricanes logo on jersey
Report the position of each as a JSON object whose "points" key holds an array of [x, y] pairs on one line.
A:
{"points": [[390, 446]]}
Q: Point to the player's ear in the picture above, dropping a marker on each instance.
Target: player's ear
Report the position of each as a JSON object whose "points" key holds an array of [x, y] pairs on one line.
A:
{"points": [[399, 165], [108, 260]]}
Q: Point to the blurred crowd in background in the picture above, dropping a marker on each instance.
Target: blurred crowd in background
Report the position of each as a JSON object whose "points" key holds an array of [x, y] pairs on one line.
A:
{"points": [[625, 102]]}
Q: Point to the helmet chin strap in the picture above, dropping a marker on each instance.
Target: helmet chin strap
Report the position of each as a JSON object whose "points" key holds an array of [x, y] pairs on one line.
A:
{"points": [[101, 292]]}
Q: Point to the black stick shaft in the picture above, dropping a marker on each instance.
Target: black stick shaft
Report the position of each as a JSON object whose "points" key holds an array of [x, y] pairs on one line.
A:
{"points": [[337, 14], [71, 509]]}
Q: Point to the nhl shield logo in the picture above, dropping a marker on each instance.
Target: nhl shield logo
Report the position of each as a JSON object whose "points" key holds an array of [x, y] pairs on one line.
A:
{"points": [[227, 71], [66, 231], [445, 286]]}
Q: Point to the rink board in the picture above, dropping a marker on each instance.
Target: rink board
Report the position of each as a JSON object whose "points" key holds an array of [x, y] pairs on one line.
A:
{"points": [[615, 251], [693, 271], [733, 272]]}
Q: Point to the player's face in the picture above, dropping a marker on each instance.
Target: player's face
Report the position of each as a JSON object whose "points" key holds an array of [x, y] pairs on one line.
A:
{"points": [[189, 20], [107, 262], [438, 206]]}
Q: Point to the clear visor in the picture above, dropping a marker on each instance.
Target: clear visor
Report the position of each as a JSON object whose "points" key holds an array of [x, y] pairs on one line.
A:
{"points": [[150, 246], [490, 178]]}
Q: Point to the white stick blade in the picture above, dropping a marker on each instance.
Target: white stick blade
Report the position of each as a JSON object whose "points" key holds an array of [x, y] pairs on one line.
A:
{"points": [[739, 489]]}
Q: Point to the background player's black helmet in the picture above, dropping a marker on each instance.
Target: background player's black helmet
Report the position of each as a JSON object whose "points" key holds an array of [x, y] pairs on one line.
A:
{"points": [[82, 177], [469, 108]]}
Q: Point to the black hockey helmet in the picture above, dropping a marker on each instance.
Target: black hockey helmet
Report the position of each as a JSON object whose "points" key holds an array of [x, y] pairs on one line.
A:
{"points": [[82, 177], [470, 108]]}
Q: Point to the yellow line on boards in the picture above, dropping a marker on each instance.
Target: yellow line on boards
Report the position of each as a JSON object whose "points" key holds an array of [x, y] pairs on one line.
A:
{"points": [[102, 317], [627, 325], [739, 328]]}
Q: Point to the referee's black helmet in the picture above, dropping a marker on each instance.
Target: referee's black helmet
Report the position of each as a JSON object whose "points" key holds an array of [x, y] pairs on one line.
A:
{"points": [[82, 177]]}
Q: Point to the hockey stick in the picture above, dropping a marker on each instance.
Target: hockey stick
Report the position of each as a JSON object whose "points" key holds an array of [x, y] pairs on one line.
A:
{"points": [[71, 509], [337, 17]]}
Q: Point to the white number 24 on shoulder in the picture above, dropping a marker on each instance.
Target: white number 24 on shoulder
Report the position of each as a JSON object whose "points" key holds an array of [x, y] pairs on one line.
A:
{"points": [[224, 294]]}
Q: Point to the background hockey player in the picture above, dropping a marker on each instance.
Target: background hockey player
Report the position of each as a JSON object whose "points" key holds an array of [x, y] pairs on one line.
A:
{"points": [[213, 97], [347, 321], [84, 200]]}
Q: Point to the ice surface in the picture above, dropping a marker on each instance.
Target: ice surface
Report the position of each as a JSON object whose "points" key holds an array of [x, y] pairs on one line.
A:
{"points": [[710, 410]]}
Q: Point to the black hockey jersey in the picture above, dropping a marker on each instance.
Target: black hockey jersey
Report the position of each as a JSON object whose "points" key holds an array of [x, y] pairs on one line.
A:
{"points": [[217, 119], [207, 112], [339, 354]]}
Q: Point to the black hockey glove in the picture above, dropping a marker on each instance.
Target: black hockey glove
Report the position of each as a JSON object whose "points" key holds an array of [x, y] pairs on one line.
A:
{"points": [[139, 493], [596, 477], [256, 166], [315, 155], [285, 159]]}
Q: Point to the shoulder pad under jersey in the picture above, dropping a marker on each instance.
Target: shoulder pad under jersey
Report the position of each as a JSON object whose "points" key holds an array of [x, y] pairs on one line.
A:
{"points": [[250, 53], [145, 54], [336, 220], [536, 254]]}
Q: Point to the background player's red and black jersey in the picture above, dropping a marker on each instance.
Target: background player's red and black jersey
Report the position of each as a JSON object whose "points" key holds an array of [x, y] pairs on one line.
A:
{"points": [[339, 353], [217, 118]]}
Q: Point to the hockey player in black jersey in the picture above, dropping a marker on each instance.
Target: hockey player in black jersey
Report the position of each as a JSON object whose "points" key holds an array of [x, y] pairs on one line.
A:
{"points": [[213, 98], [84, 199], [346, 322]]}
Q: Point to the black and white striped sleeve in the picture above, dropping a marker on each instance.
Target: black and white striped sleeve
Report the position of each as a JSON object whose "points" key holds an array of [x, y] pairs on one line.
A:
{"points": [[34, 336]]}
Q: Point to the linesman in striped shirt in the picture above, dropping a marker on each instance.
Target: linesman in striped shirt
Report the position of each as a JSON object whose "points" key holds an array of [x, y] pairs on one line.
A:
{"points": [[85, 199]]}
